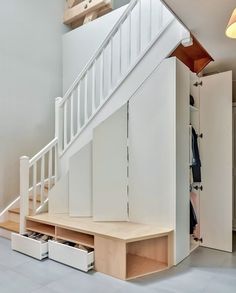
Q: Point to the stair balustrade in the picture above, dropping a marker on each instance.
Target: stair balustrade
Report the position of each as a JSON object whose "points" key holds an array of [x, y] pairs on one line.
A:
{"points": [[140, 26]]}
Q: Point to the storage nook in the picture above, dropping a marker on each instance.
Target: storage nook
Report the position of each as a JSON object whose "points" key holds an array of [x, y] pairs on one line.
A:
{"points": [[123, 250]]}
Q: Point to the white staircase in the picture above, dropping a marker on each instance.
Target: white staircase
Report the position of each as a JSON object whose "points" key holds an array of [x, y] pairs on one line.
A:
{"points": [[144, 35]]}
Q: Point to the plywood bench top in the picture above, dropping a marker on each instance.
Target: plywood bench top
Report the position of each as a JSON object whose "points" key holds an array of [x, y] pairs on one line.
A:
{"points": [[126, 231]]}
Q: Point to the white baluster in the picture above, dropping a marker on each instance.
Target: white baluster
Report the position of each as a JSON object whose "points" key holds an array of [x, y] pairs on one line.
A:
{"points": [[72, 131], [120, 48], [65, 124], [111, 65], [160, 21], [42, 179], [139, 30], [78, 108], [50, 170], [150, 20], [129, 39], [94, 87], [58, 122], [85, 97], [56, 162], [34, 191], [24, 192], [101, 76]]}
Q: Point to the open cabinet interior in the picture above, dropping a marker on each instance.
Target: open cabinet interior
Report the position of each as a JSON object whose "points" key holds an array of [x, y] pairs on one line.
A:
{"points": [[211, 178], [194, 187]]}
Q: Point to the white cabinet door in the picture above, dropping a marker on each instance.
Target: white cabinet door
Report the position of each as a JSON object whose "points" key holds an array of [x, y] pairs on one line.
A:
{"points": [[216, 158], [110, 168], [234, 167], [80, 183]]}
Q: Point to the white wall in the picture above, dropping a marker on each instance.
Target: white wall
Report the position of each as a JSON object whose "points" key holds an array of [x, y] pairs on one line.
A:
{"points": [[80, 45], [31, 77]]}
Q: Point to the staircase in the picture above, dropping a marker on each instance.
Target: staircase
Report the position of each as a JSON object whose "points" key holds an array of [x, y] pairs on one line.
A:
{"points": [[145, 34], [11, 215]]}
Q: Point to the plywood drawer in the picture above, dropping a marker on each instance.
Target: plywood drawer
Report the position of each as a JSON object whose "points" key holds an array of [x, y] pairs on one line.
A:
{"points": [[71, 256], [29, 246]]}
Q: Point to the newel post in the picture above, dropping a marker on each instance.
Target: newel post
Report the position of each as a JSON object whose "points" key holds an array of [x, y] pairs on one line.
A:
{"points": [[24, 192], [58, 122]]}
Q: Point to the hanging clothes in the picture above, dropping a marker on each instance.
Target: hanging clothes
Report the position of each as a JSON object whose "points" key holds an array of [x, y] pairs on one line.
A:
{"points": [[193, 219], [195, 204], [196, 162]]}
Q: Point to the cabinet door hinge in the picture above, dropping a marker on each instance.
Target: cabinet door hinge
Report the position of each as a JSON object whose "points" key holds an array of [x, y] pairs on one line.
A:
{"points": [[198, 83]]}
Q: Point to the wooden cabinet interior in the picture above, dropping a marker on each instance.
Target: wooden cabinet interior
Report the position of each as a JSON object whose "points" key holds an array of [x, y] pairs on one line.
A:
{"points": [[74, 236], [122, 250], [40, 228], [146, 256]]}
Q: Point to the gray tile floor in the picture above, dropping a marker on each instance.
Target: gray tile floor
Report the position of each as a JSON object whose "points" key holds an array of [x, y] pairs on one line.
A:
{"points": [[205, 271]]}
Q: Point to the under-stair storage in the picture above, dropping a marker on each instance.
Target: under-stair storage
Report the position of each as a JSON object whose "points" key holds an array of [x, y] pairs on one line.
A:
{"points": [[40, 228], [82, 259], [146, 256], [75, 237], [31, 247]]}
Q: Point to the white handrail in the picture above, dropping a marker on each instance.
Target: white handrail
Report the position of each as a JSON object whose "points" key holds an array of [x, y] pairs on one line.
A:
{"points": [[100, 49], [43, 151]]}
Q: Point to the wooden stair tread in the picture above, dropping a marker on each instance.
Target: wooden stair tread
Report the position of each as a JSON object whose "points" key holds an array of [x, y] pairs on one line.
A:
{"points": [[38, 197], [10, 226], [17, 211]]}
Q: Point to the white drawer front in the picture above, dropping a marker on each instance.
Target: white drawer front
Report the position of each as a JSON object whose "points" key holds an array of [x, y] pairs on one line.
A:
{"points": [[29, 246], [71, 256]]}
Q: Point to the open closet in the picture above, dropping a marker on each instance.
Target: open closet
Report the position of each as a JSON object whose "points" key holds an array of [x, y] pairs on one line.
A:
{"points": [[211, 193], [159, 185]]}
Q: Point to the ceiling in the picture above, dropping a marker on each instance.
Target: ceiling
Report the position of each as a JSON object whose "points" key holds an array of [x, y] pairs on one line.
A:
{"points": [[207, 20]]}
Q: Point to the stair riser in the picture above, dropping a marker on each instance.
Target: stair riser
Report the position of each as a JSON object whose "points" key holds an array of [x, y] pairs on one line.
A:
{"points": [[14, 217], [5, 233], [31, 204]]}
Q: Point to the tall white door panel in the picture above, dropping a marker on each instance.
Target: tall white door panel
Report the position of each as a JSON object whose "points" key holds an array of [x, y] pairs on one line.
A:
{"points": [[216, 159], [80, 183], [152, 149], [234, 168], [110, 168]]}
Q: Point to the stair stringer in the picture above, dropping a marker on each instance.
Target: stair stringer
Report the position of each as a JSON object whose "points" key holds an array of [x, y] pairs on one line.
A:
{"points": [[160, 49]]}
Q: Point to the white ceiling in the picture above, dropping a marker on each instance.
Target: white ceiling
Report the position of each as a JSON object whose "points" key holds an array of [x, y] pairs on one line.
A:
{"points": [[207, 20]]}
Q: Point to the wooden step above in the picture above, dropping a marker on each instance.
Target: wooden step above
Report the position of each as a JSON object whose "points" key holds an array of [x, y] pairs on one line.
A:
{"points": [[17, 211], [38, 198], [10, 226], [195, 56]]}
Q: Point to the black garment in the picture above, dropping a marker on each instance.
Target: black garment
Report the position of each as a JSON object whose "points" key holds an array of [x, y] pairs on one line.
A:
{"points": [[193, 219], [191, 100], [196, 163]]}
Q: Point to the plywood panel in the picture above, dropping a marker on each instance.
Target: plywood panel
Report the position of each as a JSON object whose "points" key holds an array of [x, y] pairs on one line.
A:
{"points": [[110, 168], [156, 248], [80, 183], [126, 231], [216, 158], [110, 257]]}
